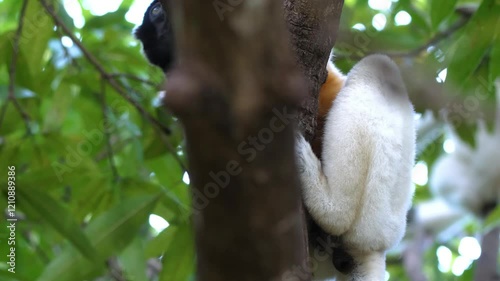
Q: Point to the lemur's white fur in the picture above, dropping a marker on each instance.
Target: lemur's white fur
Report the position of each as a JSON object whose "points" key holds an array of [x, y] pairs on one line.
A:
{"points": [[362, 189]]}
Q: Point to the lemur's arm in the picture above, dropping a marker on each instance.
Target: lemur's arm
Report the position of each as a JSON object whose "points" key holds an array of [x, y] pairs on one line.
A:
{"points": [[330, 207], [318, 195]]}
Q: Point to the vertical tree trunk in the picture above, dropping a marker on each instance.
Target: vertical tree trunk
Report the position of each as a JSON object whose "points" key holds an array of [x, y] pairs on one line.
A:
{"points": [[234, 90], [313, 26]]}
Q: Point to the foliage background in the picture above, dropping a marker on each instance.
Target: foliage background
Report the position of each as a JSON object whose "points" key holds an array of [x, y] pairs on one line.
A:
{"points": [[91, 168]]}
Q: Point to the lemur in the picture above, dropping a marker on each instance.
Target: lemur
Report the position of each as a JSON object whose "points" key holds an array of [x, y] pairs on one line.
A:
{"points": [[360, 190]]}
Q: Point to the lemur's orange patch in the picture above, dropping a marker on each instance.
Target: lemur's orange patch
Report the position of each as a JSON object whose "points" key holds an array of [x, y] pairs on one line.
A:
{"points": [[327, 94]]}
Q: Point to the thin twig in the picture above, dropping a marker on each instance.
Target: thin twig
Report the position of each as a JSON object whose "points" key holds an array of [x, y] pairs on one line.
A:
{"points": [[107, 135], [135, 78], [12, 74], [440, 36], [97, 65]]}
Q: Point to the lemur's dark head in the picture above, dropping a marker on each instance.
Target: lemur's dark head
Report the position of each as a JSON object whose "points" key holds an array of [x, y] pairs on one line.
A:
{"points": [[157, 36]]}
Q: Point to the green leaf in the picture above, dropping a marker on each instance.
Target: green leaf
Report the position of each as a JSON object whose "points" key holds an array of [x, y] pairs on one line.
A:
{"points": [[9, 276], [58, 217], [178, 261], [493, 219], [133, 188], [109, 233], [168, 177], [59, 107], [440, 10], [36, 34], [469, 50], [158, 245], [134, 262], [495, 58], [117, 227]]}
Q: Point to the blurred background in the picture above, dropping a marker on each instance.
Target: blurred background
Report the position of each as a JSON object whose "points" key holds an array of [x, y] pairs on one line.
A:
{"points": [[81, 122]]}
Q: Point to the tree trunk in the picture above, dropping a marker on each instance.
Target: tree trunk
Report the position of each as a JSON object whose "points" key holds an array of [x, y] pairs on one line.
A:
{"points": [[235, 89], [313, 26]]}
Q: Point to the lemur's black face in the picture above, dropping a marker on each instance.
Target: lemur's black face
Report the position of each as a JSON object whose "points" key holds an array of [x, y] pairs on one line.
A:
{"points": [[157, 36]]}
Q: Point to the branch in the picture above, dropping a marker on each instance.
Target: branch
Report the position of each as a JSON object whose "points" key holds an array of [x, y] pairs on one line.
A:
{"points": [[413, 255], [440, 36], [12, 74], [487, 264], [427, 94], [135, 78], [107, 135]]}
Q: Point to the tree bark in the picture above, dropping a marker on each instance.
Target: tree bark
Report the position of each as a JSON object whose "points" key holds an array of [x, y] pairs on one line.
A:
{"points": [[234, 91], [313, 26]]}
